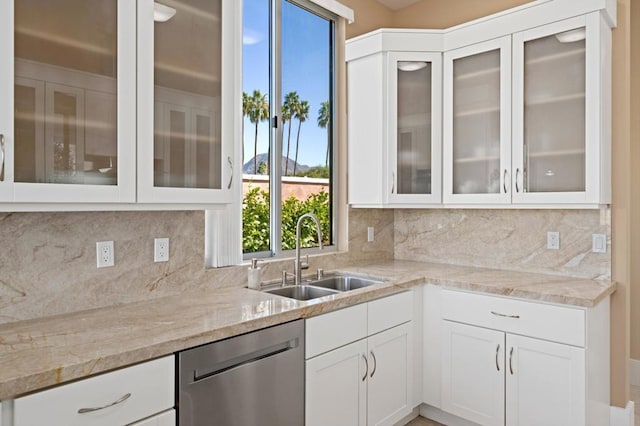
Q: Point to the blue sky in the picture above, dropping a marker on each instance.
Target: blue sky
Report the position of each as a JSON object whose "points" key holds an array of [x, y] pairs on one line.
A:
{"points": [[305, 69]]}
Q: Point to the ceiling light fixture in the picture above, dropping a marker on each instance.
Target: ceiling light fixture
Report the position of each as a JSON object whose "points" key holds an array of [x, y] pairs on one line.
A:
{"points": [[162, 13], [411, 65], [571, 36]]}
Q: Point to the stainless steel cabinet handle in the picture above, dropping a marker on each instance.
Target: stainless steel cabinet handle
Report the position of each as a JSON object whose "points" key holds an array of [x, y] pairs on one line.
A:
{"points": [[2, 160], [511, 361], [393, 183], [231, 177], [91, 410], [366, 362], [375, 364], [505, 315], [497, 352], [517, 175], [504, 181]]}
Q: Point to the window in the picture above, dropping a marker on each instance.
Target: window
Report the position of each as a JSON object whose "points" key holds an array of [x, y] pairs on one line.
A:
{"points": [[288, 63]]}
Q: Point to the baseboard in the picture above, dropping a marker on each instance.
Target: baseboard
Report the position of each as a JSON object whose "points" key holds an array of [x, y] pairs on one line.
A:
{"points": [[622, 416], [440, 416], [634, 372], [406, 419]]}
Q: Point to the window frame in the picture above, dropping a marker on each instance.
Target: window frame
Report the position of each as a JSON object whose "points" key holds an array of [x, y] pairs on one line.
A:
{"points": [[276, 132]]}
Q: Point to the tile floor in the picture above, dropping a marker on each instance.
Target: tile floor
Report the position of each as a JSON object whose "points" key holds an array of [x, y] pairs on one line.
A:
{"points": [[635, 397]]}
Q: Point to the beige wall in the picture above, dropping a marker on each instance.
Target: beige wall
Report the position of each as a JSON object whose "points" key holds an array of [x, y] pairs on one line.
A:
{"points": [[635, 179], [436, 14], [371, 15], [621, 207], [442, 14]]}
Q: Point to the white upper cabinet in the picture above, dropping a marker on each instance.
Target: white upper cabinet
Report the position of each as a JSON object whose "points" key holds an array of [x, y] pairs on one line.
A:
{"points": [[67, 101], [477, 123], [185, 112], [525, 104], [414, 127], [561, 89], [394, 126], [102, 106]]}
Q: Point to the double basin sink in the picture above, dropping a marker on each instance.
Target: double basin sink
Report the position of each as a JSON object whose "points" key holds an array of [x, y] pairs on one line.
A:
{"points": [[324, 287]]}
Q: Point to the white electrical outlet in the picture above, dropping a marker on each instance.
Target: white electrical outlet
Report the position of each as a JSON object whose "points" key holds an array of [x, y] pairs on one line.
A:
{"points": [[161, 250], [553, 240], [599, 243], [370, 235], [104, 254]]}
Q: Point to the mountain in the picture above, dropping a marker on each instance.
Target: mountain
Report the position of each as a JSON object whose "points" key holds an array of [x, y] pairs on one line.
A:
{"points": [[247, 168]]}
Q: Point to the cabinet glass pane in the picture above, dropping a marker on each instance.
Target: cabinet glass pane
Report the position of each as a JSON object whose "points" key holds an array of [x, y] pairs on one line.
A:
{"points": [[65, 91], [414, 128], [187, 74], [476, 124], [554, 113]]}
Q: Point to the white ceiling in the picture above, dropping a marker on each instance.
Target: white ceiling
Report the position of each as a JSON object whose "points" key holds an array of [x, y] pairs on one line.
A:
{"points": [[397, 4]]}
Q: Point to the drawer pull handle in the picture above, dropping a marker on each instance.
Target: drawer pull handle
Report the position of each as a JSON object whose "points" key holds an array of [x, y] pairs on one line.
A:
{"points": [[505, 315], [366, 363], [511, 361], [375, 364], [497, 352], [91, 410]]}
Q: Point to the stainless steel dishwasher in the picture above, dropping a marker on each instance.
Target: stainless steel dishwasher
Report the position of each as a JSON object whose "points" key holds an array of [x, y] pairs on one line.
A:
{"points": [[252, 379]]}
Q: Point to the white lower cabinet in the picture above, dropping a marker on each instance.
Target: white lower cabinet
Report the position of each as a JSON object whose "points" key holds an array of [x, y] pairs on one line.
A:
{"points": [[364, 382], [336, 387], [545, 383], [389, 383], [473, 373], [168, 418], [120, 397], [516, 363], [493, 378]]}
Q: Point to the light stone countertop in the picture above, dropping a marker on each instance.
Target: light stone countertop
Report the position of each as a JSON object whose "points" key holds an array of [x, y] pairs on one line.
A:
{"points": [[40, 353]]}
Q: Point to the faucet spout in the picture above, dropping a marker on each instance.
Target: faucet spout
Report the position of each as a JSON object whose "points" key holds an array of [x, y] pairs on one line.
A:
{"points": [[298, 266]]}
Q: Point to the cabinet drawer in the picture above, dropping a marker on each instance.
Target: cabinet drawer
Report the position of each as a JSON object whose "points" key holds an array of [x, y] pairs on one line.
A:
{"points": [[390, 311], [150, 386], [329, 331], [549, 322]]}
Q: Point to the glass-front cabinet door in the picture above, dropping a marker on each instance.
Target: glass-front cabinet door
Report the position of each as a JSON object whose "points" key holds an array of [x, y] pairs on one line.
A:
{"points": [[477, 123], [186, 115], [67, 101], [557, 126], [414, 127]]}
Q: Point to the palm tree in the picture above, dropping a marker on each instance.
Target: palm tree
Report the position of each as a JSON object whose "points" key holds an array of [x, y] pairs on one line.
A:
{"points": [[301, 113], [258, 111], [246, 106], [324, 118], [291, 102]]}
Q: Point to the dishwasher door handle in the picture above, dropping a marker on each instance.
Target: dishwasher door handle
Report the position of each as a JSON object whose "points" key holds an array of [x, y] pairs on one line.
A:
{"points": [[244, 359]]}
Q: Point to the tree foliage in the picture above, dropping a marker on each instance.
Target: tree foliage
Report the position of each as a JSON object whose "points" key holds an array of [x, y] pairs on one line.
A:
{"points": [[315, 172], [255, 220]]}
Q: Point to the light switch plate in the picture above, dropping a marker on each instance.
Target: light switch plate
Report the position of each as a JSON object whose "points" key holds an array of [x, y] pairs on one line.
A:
{"points": [[599, 243], [370, 234]]}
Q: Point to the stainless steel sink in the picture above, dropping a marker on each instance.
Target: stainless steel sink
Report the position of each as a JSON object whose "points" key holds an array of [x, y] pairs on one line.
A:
{"points": [[328, 286], [344, 282], [302, 292]]}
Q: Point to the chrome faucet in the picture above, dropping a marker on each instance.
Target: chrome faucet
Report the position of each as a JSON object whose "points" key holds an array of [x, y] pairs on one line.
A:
{"points": [[298, 266]]}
